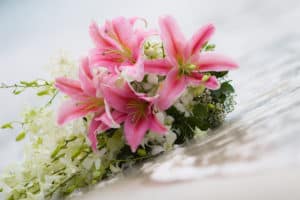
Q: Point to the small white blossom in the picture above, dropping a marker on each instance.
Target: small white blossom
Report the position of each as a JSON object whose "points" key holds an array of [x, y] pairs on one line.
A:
{"points": [[152, 78]]}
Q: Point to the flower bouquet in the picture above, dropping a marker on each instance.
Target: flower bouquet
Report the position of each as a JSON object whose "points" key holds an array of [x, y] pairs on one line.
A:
{"points": [[138, 93]]}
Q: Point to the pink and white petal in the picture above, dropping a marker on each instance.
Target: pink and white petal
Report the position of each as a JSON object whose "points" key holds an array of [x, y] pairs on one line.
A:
{"points": [[70, 87], [124, 32], [112, 119], [71, 110], [157, 66], [115, 98], [118, 116], [171, 89], [151, 99], [156, 126], [215, 62], [108, 33], [98, 58], [196, 79], [212, 83], [95, 127], [173, 39], [86, 78], [134, 72], [96, 35], [133, 20], [92, 133], [135, 132], [199, 39]]}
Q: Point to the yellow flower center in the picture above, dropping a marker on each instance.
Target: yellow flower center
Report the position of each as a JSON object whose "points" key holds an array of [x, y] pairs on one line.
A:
{"points": [[186, 69], [137, 109], [92, 103]]}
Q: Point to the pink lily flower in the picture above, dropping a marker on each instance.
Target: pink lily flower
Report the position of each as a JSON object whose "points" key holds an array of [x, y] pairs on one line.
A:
{"points": [[85, 98], [119, 46], [184, 63], [83, 95], [136, 110]]}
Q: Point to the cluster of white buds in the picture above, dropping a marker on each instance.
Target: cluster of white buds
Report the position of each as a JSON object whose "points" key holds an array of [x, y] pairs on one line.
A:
{"points": [[154, 49], [185, 103]]}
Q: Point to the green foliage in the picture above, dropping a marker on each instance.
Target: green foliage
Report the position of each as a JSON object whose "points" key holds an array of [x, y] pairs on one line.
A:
{"points": [[20, 136], [221, 94], [208, 47], [184, 126], [7, 126], [208, 112], [219, 74], [42, 87]]}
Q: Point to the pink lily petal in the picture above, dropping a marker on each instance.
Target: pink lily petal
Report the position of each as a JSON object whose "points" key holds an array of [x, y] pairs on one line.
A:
{"points": [[134, 72], [112, 119], [107, 117], [196, 79], [173, 39], [212, 83], [133, 20], [71, 109], [98, 58], [199, 39], [94, 127], [86, 78], [70, 87], [171, 89], [135, 131], [97, 37], [156, 126], [125, 32], [157, 66], [92, 133], [110, 35], [115, 98], [215, 62]]}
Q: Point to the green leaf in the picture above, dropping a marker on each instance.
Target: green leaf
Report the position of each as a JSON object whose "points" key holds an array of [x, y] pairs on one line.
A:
{"points": [[221, 94], [21, 136], [58, 148], [200, 111], [76, 152], [210, 47], [35, 188], [16, 92], [227, 88], [43, 92], [1, 189], [141, 152], [39, 141], [29, 83], [7, 126], [219, 74]]}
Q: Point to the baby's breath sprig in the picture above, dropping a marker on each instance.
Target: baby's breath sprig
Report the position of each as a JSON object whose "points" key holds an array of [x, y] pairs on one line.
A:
{"points": [[44, 87]]}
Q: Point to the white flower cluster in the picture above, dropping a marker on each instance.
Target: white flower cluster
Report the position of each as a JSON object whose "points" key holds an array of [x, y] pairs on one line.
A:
{"points": [[58, 160]]}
